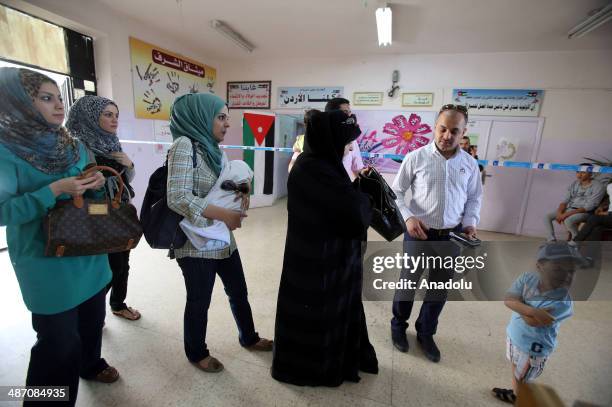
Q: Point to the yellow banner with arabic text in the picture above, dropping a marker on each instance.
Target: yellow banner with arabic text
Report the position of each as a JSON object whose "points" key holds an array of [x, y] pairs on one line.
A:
{"points": [[159, 76]]}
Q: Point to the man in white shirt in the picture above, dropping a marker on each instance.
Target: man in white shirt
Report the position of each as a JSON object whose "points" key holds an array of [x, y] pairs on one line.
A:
{"points": [[446, 194]]}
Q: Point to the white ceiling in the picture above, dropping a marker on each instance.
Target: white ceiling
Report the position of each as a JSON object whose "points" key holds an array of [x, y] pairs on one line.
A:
{"points": [[326, 28]]}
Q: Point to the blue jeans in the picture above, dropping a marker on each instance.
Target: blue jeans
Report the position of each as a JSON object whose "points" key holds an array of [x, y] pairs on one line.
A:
{"points": [[199, 277], [427, 322], [68, 345]]}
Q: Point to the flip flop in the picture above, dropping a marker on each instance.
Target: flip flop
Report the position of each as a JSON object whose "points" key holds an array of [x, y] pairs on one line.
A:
{"points": [[213, 366], [505, 395], [108, 375], [263, 345], [128, 313]]}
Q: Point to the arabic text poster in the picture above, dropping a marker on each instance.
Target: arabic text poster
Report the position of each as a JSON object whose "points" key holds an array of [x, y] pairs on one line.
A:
{"points": [[500, 102], [160, 76], [249, 95], [393, 132], [307, 97]]}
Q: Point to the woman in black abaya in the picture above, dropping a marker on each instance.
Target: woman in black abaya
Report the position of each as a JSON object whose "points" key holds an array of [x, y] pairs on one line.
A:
{"points": [[321, 336]]}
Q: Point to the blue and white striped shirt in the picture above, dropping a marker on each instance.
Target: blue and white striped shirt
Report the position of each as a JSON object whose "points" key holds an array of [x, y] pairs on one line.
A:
{"points": [[445, 192]]}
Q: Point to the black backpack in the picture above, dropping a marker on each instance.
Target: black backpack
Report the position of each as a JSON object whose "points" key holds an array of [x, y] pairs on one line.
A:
{"points": [[160, 224]]}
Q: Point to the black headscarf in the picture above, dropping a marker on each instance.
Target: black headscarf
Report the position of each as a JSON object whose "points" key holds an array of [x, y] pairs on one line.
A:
{"points": [[322, 201], [327, 133]]}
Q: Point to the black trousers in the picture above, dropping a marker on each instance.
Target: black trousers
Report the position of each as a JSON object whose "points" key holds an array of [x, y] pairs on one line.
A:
{"points": [[200, 277], [68, 346], [427, 322], [120, 265], [594, 227]]}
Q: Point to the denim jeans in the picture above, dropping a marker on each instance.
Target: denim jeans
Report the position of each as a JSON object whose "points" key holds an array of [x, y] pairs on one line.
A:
{"points": [[571, 223], [199, 277], [427, 322]]}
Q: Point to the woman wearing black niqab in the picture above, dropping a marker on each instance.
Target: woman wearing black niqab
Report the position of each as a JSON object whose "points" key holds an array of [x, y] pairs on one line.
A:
{"points": [[321, 336]]}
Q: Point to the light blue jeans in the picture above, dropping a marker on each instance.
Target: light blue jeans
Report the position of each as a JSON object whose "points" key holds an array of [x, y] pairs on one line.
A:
{"points": [[571, 223]]}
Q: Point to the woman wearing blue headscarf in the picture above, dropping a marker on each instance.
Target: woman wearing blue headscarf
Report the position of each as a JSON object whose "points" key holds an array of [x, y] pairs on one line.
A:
{"points": [[199, 121], [39, 165], [94, 121]]}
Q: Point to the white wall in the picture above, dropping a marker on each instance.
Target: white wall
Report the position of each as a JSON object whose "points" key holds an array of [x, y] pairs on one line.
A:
{"points": [[577, 99]]}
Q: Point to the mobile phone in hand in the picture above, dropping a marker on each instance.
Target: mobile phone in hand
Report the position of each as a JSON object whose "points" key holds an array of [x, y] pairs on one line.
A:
{"points": [[465, 239]]}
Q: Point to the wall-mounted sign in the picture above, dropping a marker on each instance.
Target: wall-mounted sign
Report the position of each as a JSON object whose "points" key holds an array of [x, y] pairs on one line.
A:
{"points": [[249, 95], [313, 97], [417, 99], [368, 98], [500, 102], [159, 76]]}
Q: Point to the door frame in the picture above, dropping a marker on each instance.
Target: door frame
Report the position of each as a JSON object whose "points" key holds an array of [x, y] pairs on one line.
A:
{"points": [[534, 154]]}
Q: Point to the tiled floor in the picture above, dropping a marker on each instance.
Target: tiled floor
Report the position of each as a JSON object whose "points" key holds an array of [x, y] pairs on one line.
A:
{"points": [[155, 372]]}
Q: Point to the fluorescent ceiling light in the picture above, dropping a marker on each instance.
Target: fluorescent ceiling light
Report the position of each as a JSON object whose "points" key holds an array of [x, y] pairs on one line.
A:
{"points": [[596, 19], [227, 31], [383, 24]]}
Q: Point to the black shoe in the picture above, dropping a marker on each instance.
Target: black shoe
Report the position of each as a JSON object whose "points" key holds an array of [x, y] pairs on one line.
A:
{"points": [[429, 347], [400, 340]]}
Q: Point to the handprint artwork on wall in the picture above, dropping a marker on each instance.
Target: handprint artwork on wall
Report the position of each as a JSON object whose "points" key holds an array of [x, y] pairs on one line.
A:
{"points": [[194, 88], [149, 75], [173, 82], [153, 101]]}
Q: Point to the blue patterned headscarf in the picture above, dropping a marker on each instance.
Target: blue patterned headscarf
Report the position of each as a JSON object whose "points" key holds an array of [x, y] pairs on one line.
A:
{"points": [[192, 115], [84, 124], [25, 132]]}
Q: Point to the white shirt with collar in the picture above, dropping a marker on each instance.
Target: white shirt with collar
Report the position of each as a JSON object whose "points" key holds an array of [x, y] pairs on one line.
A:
{"points": [[445, 192]]}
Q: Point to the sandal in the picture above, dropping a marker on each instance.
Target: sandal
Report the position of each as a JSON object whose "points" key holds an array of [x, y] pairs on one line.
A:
{"points": [[128, 313], [263, 345], [108, 375], [505, 395], [212, 366]]}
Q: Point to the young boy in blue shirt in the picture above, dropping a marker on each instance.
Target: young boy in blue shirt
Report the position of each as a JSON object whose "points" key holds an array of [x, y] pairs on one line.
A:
{"points": [[540, 301]]}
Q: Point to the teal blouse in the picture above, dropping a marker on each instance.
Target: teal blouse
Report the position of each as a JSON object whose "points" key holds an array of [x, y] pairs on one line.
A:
{"points": [[49, 285]]}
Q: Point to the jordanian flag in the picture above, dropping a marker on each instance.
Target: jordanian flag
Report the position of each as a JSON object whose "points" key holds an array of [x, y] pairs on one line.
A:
{"points": [[258, 131]]}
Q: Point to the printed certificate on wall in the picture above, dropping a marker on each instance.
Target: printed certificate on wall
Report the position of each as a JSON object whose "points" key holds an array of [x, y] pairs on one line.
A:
{"points": [[368, 98], [249, 95], [417, 99]]}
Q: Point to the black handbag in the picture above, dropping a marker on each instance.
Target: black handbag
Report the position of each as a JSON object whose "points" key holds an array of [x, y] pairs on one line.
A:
{"points": [[387, 219]]}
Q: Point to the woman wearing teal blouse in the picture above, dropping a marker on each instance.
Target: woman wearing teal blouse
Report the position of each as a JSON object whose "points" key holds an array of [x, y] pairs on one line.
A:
{"points": [[39, 164]]}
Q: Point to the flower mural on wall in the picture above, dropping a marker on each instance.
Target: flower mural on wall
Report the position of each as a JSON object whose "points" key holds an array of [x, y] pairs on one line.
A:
{"points": [[369, 143], [406, 135], [383, 131]]}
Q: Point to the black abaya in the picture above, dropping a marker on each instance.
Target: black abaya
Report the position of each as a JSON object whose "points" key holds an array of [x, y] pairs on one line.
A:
{"points": [[321, 334]]}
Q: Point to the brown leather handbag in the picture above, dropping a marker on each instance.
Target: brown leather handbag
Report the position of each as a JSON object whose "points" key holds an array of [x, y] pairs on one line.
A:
{"points": [[84, 227]]}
